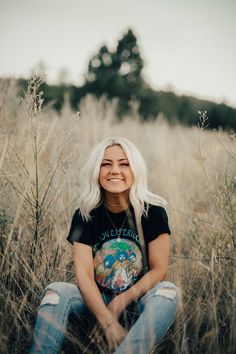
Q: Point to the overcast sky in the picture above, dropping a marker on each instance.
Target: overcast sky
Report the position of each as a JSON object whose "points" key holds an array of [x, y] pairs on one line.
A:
{"points": [[187, 45]]}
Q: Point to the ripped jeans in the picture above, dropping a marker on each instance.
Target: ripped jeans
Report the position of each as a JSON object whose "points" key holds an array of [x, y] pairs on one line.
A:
{"points": [[154, 313]]}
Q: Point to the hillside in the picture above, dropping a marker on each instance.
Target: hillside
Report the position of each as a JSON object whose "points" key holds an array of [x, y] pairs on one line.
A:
{"points": [[183, 109]]}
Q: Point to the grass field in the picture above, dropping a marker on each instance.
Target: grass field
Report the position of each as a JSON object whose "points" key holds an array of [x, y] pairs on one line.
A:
{"points": [[194, 169]]}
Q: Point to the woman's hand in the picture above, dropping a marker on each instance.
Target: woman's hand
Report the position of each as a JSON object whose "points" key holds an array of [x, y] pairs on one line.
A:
{"points": [[114, 335]]}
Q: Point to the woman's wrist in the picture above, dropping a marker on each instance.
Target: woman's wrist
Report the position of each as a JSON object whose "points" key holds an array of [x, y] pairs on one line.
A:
{"points": [[109, 324], [106, 320]]}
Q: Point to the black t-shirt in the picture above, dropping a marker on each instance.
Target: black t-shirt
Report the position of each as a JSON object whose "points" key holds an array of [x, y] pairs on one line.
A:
{"points": [[116, 246]]}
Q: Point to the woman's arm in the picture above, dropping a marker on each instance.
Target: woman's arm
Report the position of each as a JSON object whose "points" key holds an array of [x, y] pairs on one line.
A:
{"points": [[158, 251], [84, 271]]}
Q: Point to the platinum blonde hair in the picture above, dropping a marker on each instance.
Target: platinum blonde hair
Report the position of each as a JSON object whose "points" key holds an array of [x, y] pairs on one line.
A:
{"points": [[91, 194]]}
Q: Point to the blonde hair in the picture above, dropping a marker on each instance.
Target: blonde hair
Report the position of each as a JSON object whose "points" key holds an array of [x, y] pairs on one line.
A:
{"points": [[139, 195]]}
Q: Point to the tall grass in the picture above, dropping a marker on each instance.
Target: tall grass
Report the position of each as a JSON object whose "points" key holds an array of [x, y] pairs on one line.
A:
{"points": [[41, 152]]}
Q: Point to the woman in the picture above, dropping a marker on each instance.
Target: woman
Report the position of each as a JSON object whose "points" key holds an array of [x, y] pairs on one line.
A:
{"points": [[120, 238]]}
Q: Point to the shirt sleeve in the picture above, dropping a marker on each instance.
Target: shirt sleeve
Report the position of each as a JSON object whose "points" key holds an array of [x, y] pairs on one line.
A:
{"points": [[80, 230], [156, 223]]}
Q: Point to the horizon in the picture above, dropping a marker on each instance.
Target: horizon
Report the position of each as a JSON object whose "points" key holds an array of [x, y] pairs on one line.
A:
{"points": [[193, 56]]}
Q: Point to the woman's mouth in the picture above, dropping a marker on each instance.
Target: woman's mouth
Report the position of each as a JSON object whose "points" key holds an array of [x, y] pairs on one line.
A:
{"points": [[115, 180]]}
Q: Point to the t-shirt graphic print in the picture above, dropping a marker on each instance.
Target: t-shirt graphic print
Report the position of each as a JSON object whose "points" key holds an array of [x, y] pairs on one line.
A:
{"points": [[117, 264]]}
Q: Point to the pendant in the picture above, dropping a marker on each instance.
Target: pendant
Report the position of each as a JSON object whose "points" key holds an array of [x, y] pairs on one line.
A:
{"points": [[118, 236]]}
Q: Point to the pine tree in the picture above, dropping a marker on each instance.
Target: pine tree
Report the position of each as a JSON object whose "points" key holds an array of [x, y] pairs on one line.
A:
{"points": [[118, 73]]}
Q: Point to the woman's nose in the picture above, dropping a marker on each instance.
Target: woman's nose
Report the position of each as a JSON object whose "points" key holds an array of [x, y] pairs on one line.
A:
{"points": [[115, 169]]}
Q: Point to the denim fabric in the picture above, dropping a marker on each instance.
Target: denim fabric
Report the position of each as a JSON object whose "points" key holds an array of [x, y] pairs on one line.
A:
{"points": [[150, 317]]}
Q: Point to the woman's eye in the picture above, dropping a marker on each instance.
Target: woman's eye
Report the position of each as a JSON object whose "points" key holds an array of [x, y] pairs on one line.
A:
{"points": [[109, 164]]}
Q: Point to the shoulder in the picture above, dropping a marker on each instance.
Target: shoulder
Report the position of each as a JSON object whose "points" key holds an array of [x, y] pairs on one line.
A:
{"points": [[80, 229], [156, 211], [78, 216], [155, 222]]}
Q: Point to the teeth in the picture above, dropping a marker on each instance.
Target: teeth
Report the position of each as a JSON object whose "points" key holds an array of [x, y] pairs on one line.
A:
{"points": [[115, 179]]}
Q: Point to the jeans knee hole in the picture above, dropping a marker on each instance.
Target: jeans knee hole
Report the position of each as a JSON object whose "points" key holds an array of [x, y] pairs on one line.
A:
{"points": [[166, 292], [50, 298]]}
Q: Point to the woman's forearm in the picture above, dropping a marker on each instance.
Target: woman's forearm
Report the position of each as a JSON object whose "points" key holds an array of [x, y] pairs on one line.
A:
{"points": [[93, 299], [158, 261], [141, 287]]}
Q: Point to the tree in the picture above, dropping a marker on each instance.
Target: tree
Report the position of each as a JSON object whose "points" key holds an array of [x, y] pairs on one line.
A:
{"points": [[100, 72], [117, 73], [129, 64]]}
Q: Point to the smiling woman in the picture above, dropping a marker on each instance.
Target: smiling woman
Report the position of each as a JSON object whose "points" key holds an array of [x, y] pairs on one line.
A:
{"points": [[115, 176], [120, 237]]}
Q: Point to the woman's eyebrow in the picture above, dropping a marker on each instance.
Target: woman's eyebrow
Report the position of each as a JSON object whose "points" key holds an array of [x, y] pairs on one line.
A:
{"points": [[117, 160]]}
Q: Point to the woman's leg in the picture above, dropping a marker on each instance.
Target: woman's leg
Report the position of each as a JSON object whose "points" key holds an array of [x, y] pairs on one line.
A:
{"points": [[157, 311], [60, 300]]}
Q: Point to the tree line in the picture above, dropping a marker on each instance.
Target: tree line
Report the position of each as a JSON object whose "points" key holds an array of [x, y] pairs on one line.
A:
{"points": [[118, 74]]}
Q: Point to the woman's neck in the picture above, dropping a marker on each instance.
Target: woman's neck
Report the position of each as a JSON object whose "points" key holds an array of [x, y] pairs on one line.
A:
{"points": [[116, 202]]}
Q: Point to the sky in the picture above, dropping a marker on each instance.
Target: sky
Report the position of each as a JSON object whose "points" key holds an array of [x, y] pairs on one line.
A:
{"points": [[188, 46]]}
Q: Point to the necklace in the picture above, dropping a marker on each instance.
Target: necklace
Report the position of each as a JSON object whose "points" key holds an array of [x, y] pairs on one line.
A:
{"points": [[117, 205], [118, 231]]}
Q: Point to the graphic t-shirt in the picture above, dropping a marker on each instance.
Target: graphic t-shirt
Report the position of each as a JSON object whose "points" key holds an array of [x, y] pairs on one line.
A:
{"points": [[116, 246]]}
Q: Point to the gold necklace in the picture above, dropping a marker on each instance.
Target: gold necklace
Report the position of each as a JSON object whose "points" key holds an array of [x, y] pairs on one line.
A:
{"points": [[118, 231], [117, 205]]}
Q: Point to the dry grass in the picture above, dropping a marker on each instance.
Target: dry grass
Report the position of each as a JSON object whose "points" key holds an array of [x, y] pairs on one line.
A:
{"points": [[194, 169]]}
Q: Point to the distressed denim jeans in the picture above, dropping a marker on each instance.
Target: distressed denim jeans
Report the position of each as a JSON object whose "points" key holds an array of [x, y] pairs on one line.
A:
{"points": [[154, 313]]}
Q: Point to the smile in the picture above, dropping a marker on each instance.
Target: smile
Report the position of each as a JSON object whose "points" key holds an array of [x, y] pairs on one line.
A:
{"points": [[115, 180]]}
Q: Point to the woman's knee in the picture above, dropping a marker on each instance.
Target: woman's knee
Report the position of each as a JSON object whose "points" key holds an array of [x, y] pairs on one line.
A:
{"points": [[59, 292], [164, 289], [167, 290]]}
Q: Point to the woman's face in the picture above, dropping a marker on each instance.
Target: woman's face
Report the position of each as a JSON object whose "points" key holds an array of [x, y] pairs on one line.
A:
{"points": [[115, 173]]}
